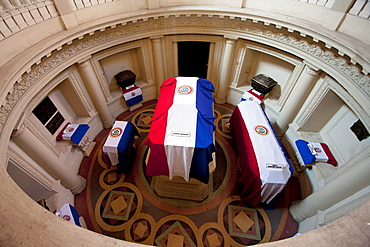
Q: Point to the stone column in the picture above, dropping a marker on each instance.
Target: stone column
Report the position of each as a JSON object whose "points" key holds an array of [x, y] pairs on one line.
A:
{"points": [[225, 68], [93, 87], [47, 159], [296, 99], [348, 183], [158, 61]]}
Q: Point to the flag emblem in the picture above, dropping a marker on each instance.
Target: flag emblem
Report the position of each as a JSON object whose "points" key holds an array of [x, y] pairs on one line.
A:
{"points": [[261, 130], [115, 132], [66, 217], [71, 129], [185, 89]]}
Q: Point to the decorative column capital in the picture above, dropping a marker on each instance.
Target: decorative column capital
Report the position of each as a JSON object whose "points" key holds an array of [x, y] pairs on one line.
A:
{"points": [[20, 127], [230, 38], [311, 69], [83, 63], [19, 130], [156, 38]]}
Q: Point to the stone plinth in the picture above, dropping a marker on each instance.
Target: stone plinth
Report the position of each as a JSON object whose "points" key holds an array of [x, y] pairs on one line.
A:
{"points": [[179, 188]]}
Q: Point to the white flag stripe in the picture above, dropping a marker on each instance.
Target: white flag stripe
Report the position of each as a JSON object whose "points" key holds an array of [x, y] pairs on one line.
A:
{"points": [[111, 144], [266, 148], [180, 135], [70, 131], [132, 94], [319, 152]]}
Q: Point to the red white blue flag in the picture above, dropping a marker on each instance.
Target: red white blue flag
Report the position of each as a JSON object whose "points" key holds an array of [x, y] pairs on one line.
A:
{"points": [[68, 213], [75, 132], [181, 137], [119, 141], [315, 152], [263, 163], [253, 95], [132, 95]]}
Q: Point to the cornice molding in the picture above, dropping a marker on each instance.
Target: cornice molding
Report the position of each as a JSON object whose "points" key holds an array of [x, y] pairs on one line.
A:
{"points": [[330, 84], [361, 157], [182, 24], [95, 63], [289, 85], [68, 74], [345, 209], [35, 131], [24, 165]]}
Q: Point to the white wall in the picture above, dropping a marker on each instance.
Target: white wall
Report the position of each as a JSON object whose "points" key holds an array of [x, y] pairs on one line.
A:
{"points": [[341, 140]]}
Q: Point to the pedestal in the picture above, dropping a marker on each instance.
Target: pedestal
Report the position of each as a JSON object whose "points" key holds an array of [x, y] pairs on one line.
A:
{"points": [[86, 152], [178, 188]]}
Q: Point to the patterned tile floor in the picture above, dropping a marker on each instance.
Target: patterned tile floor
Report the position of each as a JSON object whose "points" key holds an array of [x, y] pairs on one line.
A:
{"points": [[125, 206]]}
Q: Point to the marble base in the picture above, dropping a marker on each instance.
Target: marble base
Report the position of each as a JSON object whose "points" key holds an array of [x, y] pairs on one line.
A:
{"points": [[178, 188]]}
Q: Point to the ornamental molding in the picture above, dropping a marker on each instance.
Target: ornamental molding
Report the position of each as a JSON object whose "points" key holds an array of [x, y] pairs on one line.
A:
{"points": [[290, 83], [330, 84], [65, 75], [39, 135], [180, 24], [75, 82], [100, 74], [345, 209], [25, 166], [358, 158]]}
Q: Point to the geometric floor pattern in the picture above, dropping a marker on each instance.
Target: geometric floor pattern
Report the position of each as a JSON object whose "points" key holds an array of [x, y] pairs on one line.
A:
{"points": [[125, 206]]}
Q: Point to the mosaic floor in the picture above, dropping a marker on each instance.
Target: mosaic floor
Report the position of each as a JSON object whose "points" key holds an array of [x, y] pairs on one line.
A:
{"points": [[125, 206]]}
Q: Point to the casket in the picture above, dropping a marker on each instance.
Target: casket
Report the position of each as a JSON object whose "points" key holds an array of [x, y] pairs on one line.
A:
{"points": [[263, 83], [125, 78], [264, 166], [181, 137]]}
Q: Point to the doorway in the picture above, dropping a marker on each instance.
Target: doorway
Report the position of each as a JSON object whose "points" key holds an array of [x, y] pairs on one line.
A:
{"points": [[193, 58]]}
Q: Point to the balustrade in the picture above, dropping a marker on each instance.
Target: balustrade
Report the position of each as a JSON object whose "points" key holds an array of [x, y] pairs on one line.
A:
{"points": [[16, 15], [80, 4], [324, 3], [361, 8]]}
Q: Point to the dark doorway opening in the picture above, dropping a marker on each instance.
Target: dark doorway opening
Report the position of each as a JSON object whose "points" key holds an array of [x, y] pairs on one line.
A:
{"points": [[193, 58]]}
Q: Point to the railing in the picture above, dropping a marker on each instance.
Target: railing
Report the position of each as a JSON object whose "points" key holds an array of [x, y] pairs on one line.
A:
{"points": [[324, 3], [361, 8], [80, 4], [16, 15]]}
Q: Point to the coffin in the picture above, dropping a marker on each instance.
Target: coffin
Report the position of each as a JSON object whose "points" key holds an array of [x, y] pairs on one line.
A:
{"points": [[263, 83], [125, 78]]}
